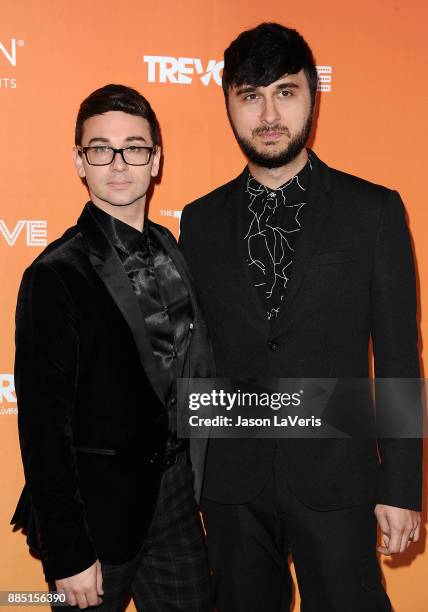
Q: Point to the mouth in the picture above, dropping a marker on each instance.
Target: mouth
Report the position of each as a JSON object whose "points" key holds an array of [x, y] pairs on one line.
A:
{"points": [[119, 184], [270, 135]]}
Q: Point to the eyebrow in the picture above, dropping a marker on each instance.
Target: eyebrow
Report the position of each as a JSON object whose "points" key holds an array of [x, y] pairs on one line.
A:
{"points": [[252, 88], [128, 139]]}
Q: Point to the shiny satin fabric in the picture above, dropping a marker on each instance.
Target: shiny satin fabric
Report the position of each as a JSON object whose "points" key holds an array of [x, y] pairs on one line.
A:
{"points": [[163, 299]]}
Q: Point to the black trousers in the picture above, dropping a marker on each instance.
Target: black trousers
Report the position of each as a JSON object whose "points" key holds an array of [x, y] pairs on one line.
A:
{"points": [[334, 554], [170, 572]]}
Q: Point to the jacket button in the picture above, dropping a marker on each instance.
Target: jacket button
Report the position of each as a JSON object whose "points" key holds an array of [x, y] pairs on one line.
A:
{"points": [[273, 345], [154, 458]]}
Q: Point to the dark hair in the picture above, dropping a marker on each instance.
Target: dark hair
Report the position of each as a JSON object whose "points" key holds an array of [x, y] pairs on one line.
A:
{"points": [[262, 55], [116, 98]]}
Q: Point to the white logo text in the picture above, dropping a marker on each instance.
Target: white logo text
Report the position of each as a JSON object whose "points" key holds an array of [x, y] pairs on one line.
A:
{"points": [[182, 69], [35, 232]]}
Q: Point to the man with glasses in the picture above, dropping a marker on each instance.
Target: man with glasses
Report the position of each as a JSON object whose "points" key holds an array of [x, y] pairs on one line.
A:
{"points": [[106, 321]]}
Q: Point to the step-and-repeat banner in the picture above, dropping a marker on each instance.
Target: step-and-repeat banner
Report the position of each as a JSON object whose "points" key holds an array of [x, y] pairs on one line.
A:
{"points": [[371, 59]]}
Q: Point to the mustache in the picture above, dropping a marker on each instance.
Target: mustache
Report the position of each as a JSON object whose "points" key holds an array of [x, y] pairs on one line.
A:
{"points": [[282, 129]]}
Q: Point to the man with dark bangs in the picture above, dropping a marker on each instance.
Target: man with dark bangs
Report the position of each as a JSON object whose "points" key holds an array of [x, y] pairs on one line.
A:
{"points": [[297, 265]]}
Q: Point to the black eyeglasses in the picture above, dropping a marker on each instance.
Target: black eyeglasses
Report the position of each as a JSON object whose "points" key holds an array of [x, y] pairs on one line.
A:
{"points": [[103, 155]]}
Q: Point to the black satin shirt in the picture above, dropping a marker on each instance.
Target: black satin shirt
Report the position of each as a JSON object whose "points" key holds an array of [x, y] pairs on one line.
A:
{"points": [[163, 299]]}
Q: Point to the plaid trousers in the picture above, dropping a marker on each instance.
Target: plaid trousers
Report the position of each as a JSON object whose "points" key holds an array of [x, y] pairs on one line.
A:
{"points": [[170, 572]]}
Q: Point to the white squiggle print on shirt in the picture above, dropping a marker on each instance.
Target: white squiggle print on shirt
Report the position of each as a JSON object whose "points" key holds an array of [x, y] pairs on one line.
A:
{"points": [[265, 236]]}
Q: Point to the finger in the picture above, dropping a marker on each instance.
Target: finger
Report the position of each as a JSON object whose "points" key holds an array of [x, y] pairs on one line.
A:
{"points": [[81, 600], [410, 539], [384, 548], [417, 533], [385, 529], [100, 590], [92, 597], [71, 600], [62, 596], [406, 540], [395, 541]]}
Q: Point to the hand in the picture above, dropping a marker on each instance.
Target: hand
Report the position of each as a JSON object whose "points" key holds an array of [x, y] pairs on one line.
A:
{"points": [[399, 527], [83, 589]]}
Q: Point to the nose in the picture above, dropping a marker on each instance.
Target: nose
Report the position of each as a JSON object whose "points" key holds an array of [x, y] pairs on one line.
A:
{"points": [[269, 112], [118, 163]]}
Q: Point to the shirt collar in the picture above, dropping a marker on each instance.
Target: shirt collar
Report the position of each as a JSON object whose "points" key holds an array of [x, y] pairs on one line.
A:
{"points": [[121, 235]]}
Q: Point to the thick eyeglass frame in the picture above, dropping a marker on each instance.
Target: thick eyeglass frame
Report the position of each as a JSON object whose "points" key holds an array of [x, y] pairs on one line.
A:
{"points": [[114, 152]]}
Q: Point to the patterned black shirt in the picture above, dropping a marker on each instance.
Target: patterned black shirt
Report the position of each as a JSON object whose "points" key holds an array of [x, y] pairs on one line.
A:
{"points": [[274, 219]]}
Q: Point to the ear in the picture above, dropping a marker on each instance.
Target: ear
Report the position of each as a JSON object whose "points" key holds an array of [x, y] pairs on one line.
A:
{"points": [[78, 162], [156, 161]]}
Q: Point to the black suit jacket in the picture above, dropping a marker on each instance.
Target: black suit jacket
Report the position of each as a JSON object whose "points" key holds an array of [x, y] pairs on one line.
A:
{"points": [[352, 278], [91, 413]]}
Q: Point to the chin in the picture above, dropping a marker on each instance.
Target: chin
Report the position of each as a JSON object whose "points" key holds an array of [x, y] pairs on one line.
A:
{"points": [[122, 203], [120, 199]]}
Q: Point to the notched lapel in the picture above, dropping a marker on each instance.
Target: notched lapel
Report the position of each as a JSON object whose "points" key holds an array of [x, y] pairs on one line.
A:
{"points": [[109, 268]]}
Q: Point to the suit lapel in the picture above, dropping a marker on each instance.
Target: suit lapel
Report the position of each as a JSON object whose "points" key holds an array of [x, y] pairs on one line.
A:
{"points": [[109, 268]]}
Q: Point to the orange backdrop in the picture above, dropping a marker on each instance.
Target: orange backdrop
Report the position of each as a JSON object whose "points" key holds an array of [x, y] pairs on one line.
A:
{"points": [[53, 53]]}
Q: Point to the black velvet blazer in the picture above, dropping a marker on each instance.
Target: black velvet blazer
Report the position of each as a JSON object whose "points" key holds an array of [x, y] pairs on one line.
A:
{"points": [[352, 278], [91, 415]]}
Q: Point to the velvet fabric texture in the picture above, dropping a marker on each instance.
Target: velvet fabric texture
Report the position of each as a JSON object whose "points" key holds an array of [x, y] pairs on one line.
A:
{"points": [[352, 278], [91, 414]]}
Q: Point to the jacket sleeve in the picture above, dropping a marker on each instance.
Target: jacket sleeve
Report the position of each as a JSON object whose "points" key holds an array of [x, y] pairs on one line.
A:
{"points": [[395, 338], [46, 376]]}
